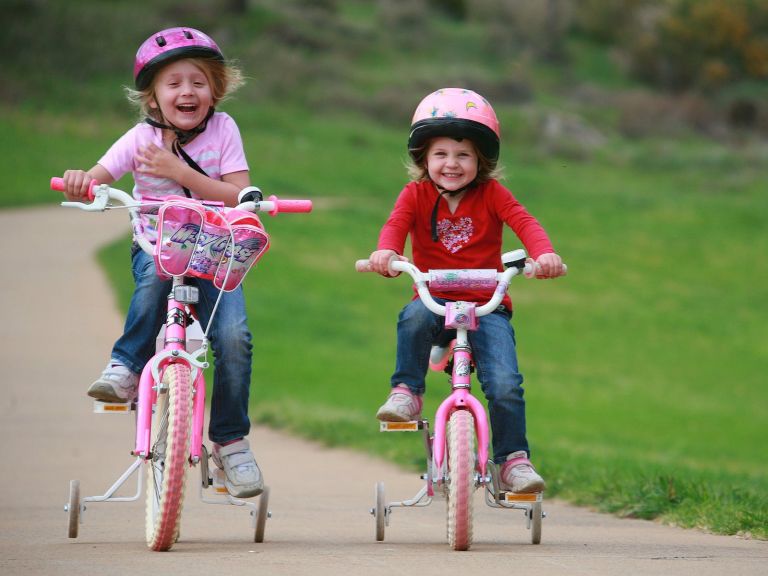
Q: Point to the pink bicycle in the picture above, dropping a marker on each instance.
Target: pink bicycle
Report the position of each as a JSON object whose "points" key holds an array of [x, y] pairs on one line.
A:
{"points": [[204, 240], [457, 452]]}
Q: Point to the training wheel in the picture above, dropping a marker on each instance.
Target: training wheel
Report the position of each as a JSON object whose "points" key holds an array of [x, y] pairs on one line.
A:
{"points": [[261, 516], [73, 508], [379, 512], [535, 516]]}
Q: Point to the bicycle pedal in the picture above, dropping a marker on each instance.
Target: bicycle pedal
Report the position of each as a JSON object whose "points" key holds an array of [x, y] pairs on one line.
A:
{"points": [[412, 426], [100, 407], [218, 481], [513, 497]]}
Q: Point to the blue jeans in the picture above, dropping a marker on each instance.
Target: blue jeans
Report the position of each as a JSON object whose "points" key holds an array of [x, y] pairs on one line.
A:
{"points": [[495, 357], [229, 336]]}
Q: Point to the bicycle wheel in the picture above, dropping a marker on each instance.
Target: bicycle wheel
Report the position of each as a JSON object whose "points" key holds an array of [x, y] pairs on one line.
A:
{"points": [[73, 507], [168, 464], [461, 467]]}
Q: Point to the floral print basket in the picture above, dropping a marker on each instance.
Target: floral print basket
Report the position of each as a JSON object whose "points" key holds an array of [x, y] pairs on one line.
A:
{"points": [[219, 244]]}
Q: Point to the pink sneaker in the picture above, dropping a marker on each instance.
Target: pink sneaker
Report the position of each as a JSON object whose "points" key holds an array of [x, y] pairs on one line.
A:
{"points": [[402, 405], [519, 476], [116, 384]]}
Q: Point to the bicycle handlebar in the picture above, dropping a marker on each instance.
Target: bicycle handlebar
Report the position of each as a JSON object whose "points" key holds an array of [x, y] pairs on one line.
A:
{"points": [[518, 263], [421, 279], [272, 206], [101, 194]]}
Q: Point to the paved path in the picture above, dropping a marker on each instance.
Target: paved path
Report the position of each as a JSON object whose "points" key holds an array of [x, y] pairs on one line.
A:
{"points": [[59, 322]]}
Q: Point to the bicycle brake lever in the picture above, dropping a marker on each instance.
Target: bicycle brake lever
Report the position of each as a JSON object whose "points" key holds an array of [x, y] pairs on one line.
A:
{"points": [[99, 203]]}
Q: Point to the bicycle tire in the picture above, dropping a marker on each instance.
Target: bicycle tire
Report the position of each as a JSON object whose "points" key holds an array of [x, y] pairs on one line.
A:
{"points": [[460, 434], [167, 467]]}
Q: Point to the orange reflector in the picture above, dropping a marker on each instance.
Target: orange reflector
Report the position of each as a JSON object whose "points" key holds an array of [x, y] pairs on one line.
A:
{"points": [[399, 426], [512, 497]]}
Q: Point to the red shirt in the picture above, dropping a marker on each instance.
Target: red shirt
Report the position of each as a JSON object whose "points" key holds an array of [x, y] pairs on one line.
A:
{"points": [[471, 237]]}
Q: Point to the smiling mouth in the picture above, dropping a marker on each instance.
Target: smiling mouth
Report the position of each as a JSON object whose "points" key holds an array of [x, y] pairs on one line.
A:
{"points": [[187, 108]]}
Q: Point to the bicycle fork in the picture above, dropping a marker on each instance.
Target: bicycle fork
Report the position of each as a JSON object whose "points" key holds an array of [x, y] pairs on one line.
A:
{"points": [[461, 397]]}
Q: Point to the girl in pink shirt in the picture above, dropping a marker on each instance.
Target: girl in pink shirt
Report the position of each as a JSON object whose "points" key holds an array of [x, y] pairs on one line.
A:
{"points": [[183, 146], [455, 211]]}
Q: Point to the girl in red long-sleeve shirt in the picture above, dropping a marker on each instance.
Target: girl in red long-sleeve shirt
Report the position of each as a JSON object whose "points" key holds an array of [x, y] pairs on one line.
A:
{"points": [[454, 211]]}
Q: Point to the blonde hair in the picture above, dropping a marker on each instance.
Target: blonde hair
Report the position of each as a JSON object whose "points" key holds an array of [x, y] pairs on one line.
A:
{"points": [[416, 165], [224, 78]]}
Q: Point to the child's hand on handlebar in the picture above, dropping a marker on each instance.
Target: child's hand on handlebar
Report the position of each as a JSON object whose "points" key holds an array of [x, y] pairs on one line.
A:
{"points": [[76, 185], [549, 266], [380, 261]]}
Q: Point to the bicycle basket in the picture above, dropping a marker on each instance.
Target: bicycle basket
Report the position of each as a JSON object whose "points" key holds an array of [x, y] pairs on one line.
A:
{"points": [[193, 241]]}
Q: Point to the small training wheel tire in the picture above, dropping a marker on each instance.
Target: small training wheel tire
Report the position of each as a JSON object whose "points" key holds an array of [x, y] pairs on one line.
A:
{"points": [[261, 516], [536, 516], [73, 507], [380, 512]]}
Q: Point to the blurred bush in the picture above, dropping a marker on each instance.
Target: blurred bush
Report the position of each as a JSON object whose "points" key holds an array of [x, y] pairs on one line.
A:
{"points": [[703, 44]]}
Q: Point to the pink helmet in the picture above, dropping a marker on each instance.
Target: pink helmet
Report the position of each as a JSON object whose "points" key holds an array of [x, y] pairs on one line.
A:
{"points": [[456, 113], [168, 45]]}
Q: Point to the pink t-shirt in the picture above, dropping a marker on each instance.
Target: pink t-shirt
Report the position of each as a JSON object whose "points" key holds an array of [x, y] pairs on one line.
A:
{"points": [[470, 237], [218, 150]]}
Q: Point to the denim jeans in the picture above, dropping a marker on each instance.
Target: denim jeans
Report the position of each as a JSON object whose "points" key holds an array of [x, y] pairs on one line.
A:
{"points": [[495, 357], [229, 336]]}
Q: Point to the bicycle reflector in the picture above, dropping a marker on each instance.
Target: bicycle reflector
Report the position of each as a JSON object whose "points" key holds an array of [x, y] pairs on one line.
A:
{"points": [[186, 294]]}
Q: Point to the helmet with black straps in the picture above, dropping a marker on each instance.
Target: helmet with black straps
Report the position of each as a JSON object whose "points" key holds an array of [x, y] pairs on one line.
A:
{"points": [[456, 113], [167, 46]]}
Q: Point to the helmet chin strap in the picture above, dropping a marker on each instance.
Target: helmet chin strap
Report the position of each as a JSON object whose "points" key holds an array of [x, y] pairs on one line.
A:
{"points": [[440, 192], [182, 137]]}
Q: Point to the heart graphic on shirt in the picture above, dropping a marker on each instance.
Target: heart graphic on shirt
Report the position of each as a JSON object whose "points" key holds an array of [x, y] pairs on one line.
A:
{"points": [[454, 234]]}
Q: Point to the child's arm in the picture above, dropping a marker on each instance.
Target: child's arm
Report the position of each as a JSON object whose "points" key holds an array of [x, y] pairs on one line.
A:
{"points": [[76, 182], [161, 162]]}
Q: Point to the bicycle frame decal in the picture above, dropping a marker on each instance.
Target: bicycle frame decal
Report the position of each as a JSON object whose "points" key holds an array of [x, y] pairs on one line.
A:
{"points": [[450, 280]]}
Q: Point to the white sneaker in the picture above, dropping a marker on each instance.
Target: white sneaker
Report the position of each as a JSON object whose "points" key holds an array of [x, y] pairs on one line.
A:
{"points": [[116, 384], [243, 478], [402, 405], [519, 476]]}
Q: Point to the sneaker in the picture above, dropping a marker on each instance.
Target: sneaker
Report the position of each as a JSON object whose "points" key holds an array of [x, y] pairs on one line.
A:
{"points": [[116, 384], [402, 405], [243, 478], [519, 476]]}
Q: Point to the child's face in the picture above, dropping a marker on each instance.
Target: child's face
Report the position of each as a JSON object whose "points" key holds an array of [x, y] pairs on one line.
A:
{"points": [[183, 94], [451, 164]]}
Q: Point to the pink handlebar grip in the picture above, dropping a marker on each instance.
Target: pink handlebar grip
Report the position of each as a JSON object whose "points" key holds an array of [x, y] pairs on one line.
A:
{"points": [[58, 184], [290, 205]]}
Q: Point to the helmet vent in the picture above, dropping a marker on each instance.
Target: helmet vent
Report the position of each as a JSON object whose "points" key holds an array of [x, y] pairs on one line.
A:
{"points": [[187, 34], [160, 41]]}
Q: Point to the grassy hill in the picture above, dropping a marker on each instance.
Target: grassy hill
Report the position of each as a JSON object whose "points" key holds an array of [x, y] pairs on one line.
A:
{"points": [[643, 367]]}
